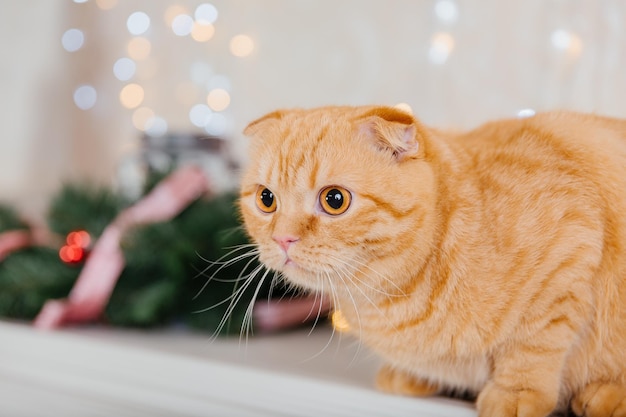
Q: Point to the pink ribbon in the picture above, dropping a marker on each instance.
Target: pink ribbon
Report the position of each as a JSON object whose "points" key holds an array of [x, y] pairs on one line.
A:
{"points": [[275, 315], [96, 282], [14, 240]]}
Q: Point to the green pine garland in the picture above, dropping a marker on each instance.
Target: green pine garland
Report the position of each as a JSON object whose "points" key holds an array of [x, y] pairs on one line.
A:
{"points": [[167, 270]]}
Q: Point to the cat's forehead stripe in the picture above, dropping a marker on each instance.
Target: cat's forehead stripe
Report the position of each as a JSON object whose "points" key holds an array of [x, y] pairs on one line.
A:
{"points": [[297, 156]]}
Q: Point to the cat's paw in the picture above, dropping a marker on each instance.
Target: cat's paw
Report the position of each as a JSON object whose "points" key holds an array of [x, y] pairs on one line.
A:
{"points": [[600, 400], [396, 381], [498, 401]]}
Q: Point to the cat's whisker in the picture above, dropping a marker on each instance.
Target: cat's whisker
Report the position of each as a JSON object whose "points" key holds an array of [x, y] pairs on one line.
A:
{"points": [[247, 324], [333, 330], [359, 339], [232, 250], [254, 255], [319, 294], [247, 278], [234, 299], [401, 292], [348, 268]]}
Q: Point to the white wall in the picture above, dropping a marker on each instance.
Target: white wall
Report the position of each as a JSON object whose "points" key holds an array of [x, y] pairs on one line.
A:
{"points": [[504, 56]]}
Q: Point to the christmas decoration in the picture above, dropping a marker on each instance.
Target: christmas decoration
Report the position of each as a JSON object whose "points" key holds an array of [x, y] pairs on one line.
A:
{"points": [[166, 276]]}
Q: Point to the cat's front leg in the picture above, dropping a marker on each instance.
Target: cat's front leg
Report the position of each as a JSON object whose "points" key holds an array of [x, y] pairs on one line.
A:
{"points": [[525, 382], [396, 381]]}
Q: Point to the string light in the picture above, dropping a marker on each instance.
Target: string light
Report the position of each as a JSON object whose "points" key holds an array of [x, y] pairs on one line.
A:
{"points": [[201, 32], [339, 322], [131, 96], [141, 116], [156, 126], [76, 247], [218, 99], [206, 14], [217, 124], [85, 97], [138, 23], [241, 45], [182, 25], [124, 69], [72, 40], [200, 115], [173, 11], [447, 11], [441, 46], [106, 4], [139, 48], [567, 41], [524, 113]]}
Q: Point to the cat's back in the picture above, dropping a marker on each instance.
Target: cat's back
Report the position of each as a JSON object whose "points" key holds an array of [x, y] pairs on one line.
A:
{"points": [[568, 135], [548, 147]]}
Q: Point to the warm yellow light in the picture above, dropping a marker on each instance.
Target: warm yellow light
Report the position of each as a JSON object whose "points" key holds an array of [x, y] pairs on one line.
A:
{"points": [[138, 48], [106, 4], [201, 32], [441, 47], [339, 321], [172, 12], [218, 99], [131, 96], [241, 45], [404, 107], [141, 116]]}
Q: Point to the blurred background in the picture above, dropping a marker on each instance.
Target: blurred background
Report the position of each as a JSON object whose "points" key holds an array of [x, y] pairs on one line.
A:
{"points": [[87, 85]]}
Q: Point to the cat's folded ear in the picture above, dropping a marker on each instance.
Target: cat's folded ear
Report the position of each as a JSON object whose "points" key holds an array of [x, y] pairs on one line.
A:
{"points": [[263, 123], [392, 130]]}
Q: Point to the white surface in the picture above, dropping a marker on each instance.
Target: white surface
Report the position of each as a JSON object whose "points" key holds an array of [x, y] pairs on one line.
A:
{"points": [[105, 372]]}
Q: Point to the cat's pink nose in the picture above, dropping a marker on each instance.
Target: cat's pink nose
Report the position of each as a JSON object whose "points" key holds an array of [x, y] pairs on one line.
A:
{"points": [[285, 241]]}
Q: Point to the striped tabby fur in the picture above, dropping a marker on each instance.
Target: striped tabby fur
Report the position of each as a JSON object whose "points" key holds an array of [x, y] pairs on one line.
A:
{"points": [[491, 261]]}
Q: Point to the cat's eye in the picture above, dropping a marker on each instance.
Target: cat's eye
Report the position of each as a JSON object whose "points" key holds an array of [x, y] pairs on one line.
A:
{"points": [[265, 200], [335, 200]]}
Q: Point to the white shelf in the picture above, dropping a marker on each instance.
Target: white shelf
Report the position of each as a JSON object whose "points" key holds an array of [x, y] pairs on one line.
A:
{"points": [[111, 372]]}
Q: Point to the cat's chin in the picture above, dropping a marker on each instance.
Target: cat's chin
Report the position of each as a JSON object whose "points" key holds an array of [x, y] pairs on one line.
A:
{"points": [[300, 276]]}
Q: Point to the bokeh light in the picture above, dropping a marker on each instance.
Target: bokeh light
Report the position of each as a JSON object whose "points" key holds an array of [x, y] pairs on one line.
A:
{"points": [[138, 23], [199, 115], [524, 113], [73, 39], [218, 99], [124, 69], [206, 14], [85, 97], [241, 45], [447, 11], [138, 48], [182, 25], [217, 125], [441, 46], [173, 11], [131, 96], [141, 117], [106, 4], [201, 32], [567, 41], [156, 126]]}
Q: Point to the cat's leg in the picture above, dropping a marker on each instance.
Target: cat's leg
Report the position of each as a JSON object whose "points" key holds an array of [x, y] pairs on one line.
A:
{"points": [[395, 381], [526, 378], [600, 400]]}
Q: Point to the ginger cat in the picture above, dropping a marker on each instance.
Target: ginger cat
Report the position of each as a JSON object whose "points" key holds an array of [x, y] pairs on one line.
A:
{"points": [[492, 261]]}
